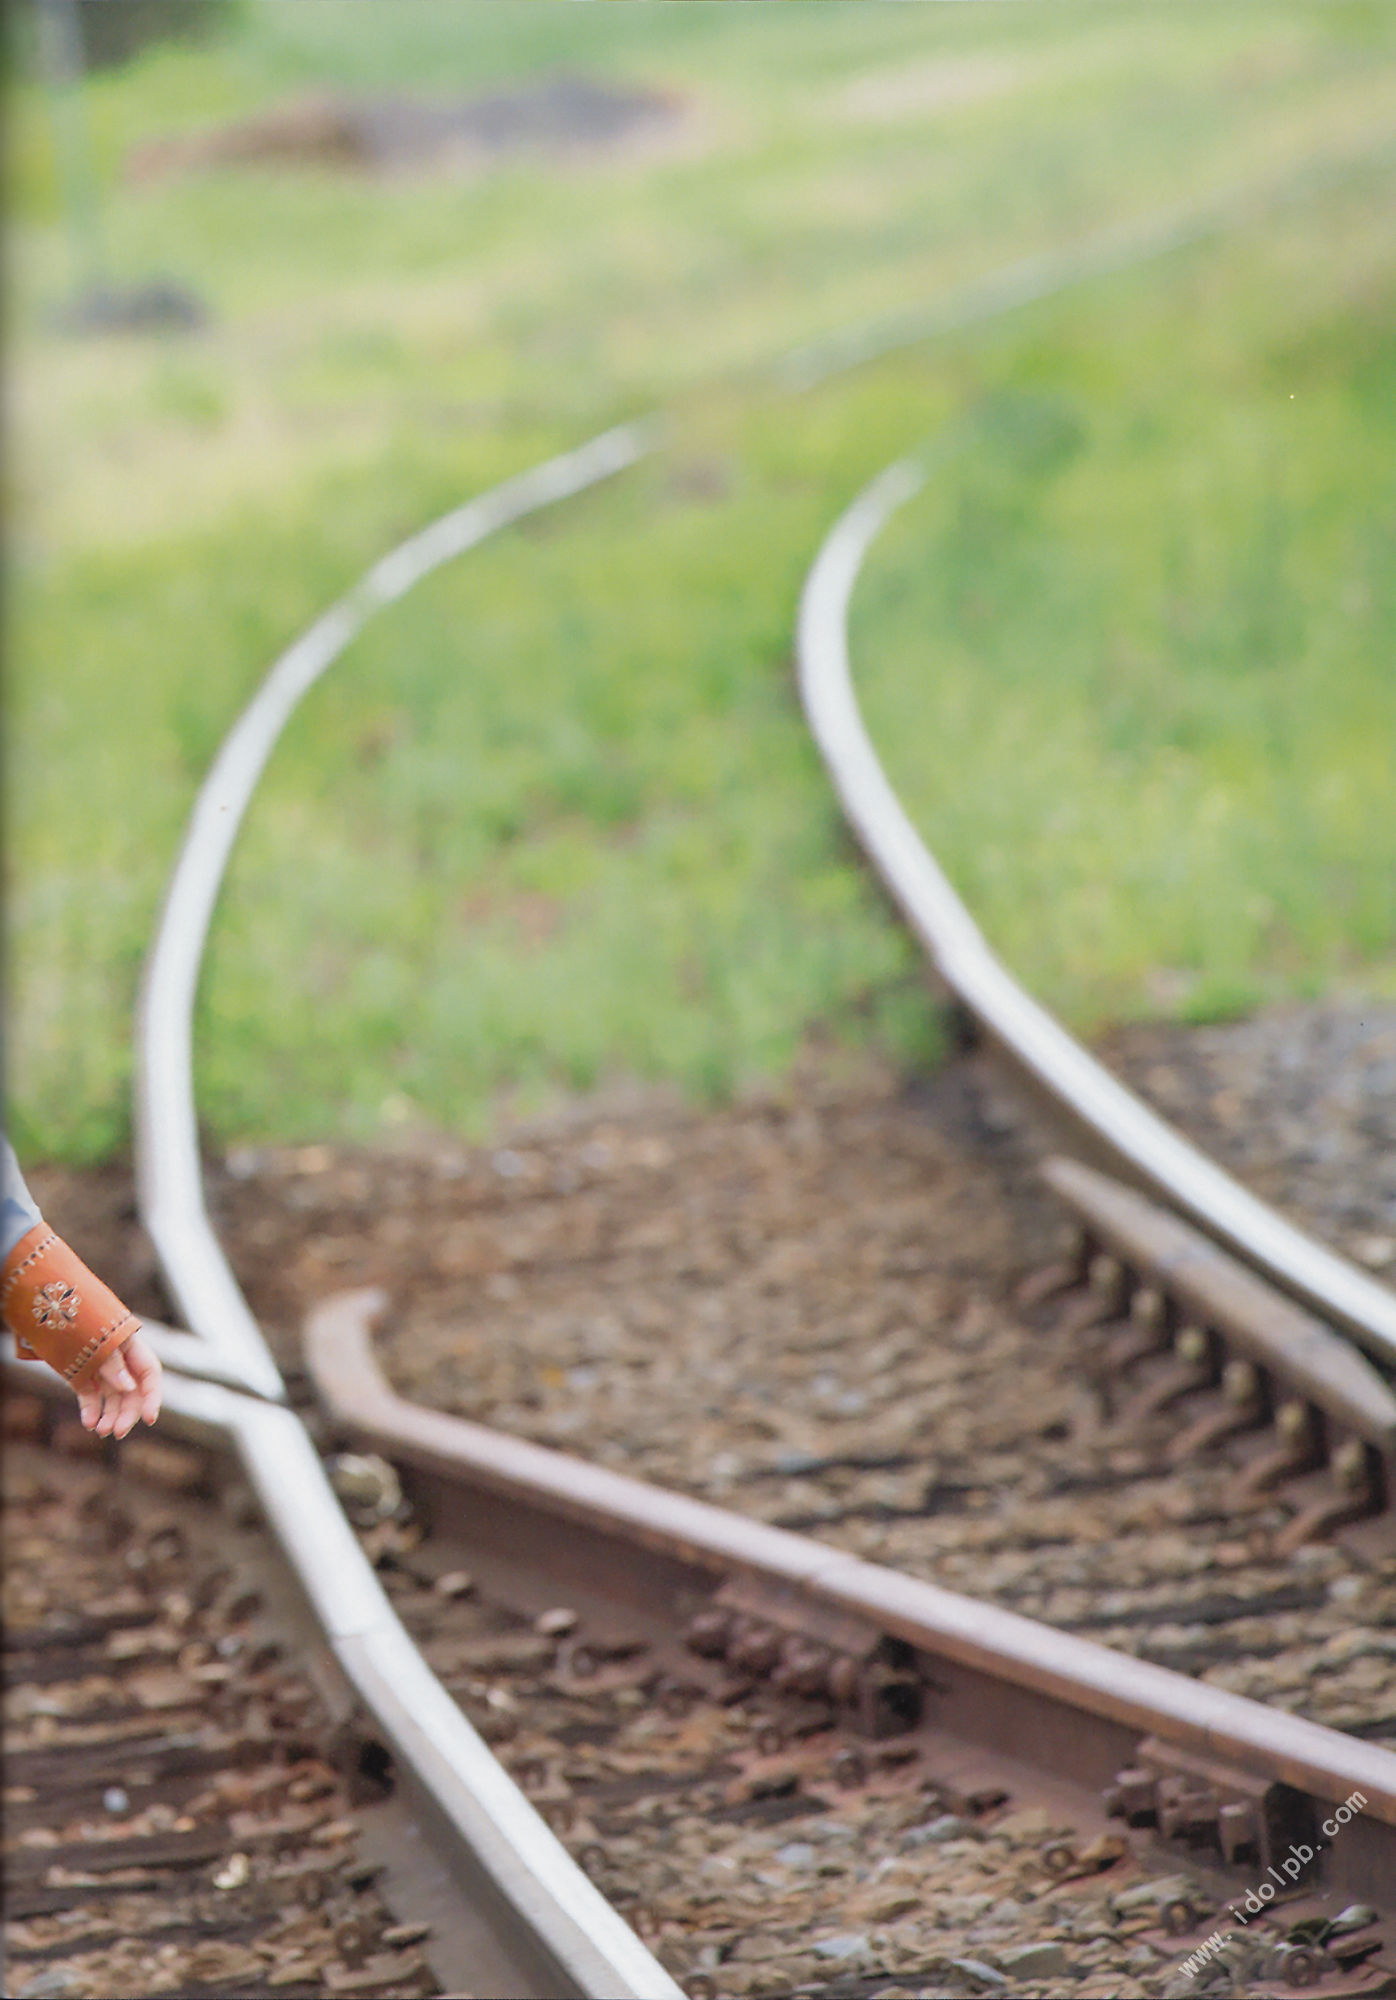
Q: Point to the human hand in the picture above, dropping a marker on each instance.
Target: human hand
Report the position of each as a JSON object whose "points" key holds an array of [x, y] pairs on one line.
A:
{"points": [[125, 1387]]}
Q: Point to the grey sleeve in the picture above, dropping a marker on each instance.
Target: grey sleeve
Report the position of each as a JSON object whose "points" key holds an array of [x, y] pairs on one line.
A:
{"points": [[18, 1209]]}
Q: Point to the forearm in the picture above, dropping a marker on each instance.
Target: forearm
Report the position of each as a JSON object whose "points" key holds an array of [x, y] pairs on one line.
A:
{"points": [[19, 1212]]}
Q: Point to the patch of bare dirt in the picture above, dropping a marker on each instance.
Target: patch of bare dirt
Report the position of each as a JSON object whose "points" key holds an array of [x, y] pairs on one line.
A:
{"points": [[868, 1201], [803, 1306], [561, 115]]}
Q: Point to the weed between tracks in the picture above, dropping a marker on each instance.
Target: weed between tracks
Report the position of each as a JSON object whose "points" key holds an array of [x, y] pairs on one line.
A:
{"points": [[555, 817]]}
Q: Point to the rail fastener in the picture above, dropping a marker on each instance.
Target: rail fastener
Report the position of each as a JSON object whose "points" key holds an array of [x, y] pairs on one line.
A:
{"points": [[897, 1653], [1145, 1279]]}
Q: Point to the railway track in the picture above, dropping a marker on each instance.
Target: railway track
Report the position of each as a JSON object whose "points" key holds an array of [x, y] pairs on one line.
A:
{"points": [[1247, 1311], [862, 1700], [990, 1804], [175, 1818], [506, 1910]]}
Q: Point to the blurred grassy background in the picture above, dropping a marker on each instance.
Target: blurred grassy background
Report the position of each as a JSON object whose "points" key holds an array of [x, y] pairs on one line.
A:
{"points": [[554, 819], [1130, 657]]}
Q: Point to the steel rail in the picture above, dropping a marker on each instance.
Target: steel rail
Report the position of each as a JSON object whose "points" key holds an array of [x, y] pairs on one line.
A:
{"points": [[495, 1832], [1132, 1137], [1265, 1325], [547, 1929], [541, 1928], [169, 1177], [609, 1525]]}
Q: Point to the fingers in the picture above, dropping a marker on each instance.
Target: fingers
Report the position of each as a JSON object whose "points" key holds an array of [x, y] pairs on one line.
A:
{"points": [[126, 1390], [120, 1402], [103, 1405], [119, 1413], [103, 1411], [144, 1366]]}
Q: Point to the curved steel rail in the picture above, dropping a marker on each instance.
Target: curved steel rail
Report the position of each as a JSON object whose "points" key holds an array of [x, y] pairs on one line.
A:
{"points": [[1132, 1135], [509, 1853], [539, 1927], [550, 1929], [168, 1173]]}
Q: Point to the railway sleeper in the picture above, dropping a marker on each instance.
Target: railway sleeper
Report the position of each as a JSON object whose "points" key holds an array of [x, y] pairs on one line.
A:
{"points": [[1295, 1397]]}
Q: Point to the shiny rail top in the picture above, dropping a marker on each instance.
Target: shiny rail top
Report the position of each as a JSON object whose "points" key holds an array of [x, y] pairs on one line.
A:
{"points": [[1142, 1144]]}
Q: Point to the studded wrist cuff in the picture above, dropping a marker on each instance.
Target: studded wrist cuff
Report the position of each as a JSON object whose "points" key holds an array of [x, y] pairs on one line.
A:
{"points": [[58, 1311]]}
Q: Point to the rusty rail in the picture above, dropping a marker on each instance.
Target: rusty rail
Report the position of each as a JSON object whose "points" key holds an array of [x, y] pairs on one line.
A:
{"points": [[734, 1572], [994, 1678]]}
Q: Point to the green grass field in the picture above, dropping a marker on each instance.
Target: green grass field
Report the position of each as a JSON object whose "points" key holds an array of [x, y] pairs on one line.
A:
{"points": [[554, 819], [1129, 658]]}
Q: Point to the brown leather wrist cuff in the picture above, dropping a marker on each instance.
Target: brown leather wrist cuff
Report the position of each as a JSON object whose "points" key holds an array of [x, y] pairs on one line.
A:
{"points": [[58, 1311]]}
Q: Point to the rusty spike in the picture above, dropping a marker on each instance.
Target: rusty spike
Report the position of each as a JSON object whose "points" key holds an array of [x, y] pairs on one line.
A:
{"points": [[1298, 1450], [1194, 1367], [815, 1663], [1357, 1494], [1133, 1796], [1238, 1829], [708, 1634], [849, 1769], [1145, 1332], [754, 1647], [1242, 1409], [1061, 1275], [789, 1666], [1107, 1288], [843, 1679], [803, 1668], [887, 1701], [1185, 1805]]}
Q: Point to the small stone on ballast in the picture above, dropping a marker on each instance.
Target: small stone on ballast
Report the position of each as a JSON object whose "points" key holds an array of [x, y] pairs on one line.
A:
{"points": [[554, 1624], [454, 1583]]}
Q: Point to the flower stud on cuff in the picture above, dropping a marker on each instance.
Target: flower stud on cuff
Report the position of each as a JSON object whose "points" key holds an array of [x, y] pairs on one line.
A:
{"points": [[56, 1305]]}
